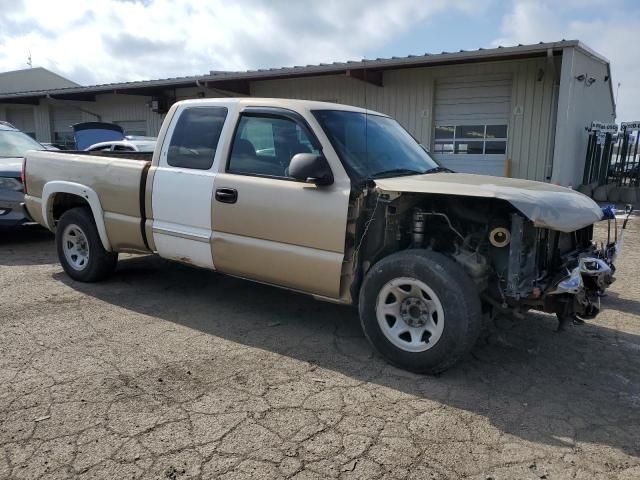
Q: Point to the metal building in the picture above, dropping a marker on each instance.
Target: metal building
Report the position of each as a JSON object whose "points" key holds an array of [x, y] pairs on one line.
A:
{"points": [[518, 111], [28, 79]]}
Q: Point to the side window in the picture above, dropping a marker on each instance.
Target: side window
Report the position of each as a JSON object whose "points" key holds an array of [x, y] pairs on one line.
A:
{"points": [[195, 137], [122, 148], [105, 148], [264, 145]]}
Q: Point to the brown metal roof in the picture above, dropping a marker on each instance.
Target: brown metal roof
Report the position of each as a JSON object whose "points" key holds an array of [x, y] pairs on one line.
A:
{"points": [[238, 81]]}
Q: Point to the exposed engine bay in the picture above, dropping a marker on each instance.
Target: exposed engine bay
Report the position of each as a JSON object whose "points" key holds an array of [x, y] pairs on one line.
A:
{"points": [[515, 265]]}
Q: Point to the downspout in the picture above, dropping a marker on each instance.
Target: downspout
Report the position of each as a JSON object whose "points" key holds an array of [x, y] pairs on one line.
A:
{"points": [[555, 90]]}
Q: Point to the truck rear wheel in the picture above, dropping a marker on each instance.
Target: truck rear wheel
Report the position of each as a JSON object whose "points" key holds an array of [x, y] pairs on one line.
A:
{"points": [[420, 310], [80, 249]]}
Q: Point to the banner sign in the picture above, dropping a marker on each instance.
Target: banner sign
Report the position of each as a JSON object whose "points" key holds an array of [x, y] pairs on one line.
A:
{"points": [[604, 127], [630, 125]]}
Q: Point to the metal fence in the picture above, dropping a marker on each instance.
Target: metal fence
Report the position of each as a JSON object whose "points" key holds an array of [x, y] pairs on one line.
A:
{"points": [[613, 158]]}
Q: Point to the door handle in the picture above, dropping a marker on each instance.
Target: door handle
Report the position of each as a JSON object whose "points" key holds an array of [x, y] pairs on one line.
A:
{"points": [[227, 195]]}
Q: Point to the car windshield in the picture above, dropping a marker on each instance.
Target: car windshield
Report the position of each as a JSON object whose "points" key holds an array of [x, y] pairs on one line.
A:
{"points": [[16, 144], [373, 146]]}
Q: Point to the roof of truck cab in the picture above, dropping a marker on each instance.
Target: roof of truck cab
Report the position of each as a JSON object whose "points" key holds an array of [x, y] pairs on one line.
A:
{"points": [[291, 104]]}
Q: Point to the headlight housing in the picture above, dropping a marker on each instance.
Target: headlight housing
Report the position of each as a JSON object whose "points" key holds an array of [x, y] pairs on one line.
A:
{"points": [[8, 183]]}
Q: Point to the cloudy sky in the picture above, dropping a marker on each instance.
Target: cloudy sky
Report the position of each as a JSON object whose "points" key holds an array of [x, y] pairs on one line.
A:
{"points": [[101, 41]]}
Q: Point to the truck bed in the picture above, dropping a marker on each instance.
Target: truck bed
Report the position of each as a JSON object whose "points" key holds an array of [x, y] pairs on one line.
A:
{"points": [[117, 181]]}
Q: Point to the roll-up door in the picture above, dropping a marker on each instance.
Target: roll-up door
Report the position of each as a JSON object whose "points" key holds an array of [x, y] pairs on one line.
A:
{"points": [[471, 123]]}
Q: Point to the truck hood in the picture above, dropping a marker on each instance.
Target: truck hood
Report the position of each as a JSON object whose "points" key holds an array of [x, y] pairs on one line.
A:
{"points": [[546, 205]]}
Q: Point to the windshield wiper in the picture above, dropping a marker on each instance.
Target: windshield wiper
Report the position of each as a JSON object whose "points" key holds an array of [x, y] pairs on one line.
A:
{"points": [[438, 170], [397, 172]]}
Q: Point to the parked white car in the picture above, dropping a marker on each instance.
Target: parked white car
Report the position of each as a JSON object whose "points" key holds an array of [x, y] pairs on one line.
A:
{"points": [[126, 145]]}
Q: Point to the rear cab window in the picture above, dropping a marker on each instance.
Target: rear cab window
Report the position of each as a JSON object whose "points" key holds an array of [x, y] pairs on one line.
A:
{"points": [[195, 137]]}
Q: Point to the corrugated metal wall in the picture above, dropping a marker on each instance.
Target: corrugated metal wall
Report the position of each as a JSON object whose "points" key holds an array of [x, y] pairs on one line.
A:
{"points": [[22, 118], [408, 96], [581, 102], [114, 108]]}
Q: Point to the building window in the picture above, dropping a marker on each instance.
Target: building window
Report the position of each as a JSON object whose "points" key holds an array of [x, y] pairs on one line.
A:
{"points": [[470, 139]]}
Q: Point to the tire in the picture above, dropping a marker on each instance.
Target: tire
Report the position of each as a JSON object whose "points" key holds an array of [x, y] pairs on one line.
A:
{"points": [[416, 287], [86, 260]]}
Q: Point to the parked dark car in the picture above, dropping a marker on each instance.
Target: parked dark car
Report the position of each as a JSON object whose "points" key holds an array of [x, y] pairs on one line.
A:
{"points": [[13, 146]]}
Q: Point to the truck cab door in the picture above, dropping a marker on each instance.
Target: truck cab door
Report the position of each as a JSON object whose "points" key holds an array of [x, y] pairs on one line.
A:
{"points": [[268, 226], [183, 185]]}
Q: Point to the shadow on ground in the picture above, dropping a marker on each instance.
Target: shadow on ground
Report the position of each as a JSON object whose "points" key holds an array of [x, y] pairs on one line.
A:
{"points": [[16, 246], [528, 381]]}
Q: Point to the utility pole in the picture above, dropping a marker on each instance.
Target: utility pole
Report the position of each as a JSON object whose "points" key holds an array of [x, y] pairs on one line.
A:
{"points": [[617, 91], [30, 63]]}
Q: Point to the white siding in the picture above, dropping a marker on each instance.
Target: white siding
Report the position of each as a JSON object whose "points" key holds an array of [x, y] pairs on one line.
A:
{"points": [[42, 115], [579, 105], [22, 118], [63, 117], [115, 108], [408, 96]]}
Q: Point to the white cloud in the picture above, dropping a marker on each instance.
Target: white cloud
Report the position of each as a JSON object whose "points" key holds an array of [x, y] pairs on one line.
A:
{"points": [[107, 40], [101, 41], [613, 32]]}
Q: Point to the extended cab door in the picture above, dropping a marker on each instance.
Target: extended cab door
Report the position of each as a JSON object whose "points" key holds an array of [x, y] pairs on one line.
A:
{"points": [[268, 226], [183, 184]]}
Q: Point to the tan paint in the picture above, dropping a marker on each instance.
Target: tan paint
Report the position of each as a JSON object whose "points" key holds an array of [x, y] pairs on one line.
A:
{"points": [[280, 231], [123, 232], [546, 205], [283, 211], [116, 182], [275, 216], [304, 269], [34, 207]]}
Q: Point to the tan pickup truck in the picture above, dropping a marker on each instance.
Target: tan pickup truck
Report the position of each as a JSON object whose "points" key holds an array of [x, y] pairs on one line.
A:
{"points": [[337, 202]]}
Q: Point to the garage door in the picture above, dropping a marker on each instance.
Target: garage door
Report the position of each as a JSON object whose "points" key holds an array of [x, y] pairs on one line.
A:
{"points": [[471, 123], [63, 118], [23, 119]]}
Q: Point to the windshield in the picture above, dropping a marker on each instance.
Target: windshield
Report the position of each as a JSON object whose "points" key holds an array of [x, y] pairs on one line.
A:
{"points": [[373, 146], [16, 144]]}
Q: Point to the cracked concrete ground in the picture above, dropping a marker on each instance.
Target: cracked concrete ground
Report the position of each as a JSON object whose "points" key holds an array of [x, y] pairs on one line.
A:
{"points": [[170, 372]]}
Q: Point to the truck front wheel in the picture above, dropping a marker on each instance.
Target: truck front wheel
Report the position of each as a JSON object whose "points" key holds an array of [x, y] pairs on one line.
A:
{"points": [[420, 310], [80, 249]]}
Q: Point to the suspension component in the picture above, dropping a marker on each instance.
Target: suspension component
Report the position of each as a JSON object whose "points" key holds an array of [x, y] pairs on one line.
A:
{"points": [[418, 227]]}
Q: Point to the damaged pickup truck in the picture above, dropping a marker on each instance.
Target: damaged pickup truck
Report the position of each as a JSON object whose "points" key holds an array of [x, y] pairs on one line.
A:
{"points": [[337, 202]]}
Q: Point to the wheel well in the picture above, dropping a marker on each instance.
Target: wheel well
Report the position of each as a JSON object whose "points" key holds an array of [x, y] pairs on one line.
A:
{"points": [[66, 201]]}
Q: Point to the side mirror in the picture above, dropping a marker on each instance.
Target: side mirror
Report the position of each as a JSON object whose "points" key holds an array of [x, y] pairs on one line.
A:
{"points": [[310, 168]]}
